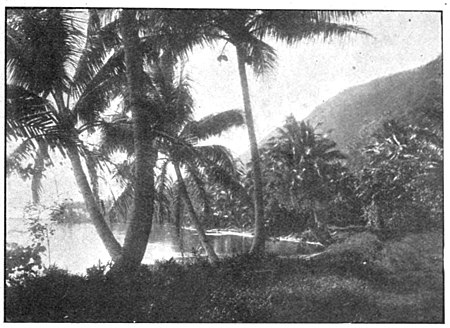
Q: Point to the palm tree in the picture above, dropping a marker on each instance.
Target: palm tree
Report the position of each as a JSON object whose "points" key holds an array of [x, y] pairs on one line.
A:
{"points": [[215, 161], [60, 79], [163, 31], [302, 167], [176, 137], [137, 235], [246, 29]]}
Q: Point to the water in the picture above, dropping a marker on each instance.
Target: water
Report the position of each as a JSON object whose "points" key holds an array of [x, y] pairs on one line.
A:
{"points": [[75, 247]]}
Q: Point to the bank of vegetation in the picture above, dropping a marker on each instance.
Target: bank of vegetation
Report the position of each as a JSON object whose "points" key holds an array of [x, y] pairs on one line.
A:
{"points": [[361, 280]]}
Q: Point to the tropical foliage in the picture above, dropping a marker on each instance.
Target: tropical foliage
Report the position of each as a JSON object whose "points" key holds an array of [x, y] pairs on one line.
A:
{"points": [[301, 170], [403, 180]]}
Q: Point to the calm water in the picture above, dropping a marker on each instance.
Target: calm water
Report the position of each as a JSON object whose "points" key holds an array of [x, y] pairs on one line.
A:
{"points": [[76, 247]]}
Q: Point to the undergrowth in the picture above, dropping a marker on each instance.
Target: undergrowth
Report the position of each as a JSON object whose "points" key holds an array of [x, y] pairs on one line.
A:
{"points": [[360, 280]]}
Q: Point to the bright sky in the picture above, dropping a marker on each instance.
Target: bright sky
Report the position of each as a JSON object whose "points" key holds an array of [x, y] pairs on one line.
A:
{"points": [[311, 72]]}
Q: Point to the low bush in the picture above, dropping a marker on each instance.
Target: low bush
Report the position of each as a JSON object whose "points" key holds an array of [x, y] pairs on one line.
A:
{"points": [[22, 262]]}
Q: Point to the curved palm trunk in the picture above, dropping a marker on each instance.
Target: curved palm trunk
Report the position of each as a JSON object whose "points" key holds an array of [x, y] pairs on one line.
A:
{"points": [[110, 242], [201, 232], [140, 225], [258, 244]]}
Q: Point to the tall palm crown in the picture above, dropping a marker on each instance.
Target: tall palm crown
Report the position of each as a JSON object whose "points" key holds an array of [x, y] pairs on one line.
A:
{"points": [[249, 29], [60, 73], [56, 51]]}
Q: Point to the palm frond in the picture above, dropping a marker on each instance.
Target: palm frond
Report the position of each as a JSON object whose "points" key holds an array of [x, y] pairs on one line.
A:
{"points": [[122, 206], [215, 155], [116, 136], [293, 26], [219, 167], [106, 84], [164, 194], [46, 50], [177, 31], [196, 184], [220, 176], [93, 56], [29, 116], [261, 56], [169, 95], [213, 125]]}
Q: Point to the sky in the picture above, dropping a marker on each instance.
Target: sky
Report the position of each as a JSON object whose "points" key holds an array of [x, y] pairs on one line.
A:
{"points": [[306, 75], [311, 72]]}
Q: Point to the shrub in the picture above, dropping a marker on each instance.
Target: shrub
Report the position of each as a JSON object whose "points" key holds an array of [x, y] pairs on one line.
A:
{"points": [[401, 184], [22, 262]]}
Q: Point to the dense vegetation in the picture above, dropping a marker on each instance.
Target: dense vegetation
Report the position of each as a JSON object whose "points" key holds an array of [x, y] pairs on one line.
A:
{"points": [[377, 216]]}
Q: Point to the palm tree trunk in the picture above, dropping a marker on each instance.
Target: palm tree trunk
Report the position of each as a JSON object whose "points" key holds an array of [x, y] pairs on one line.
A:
{"points": [[110, 242], [93, 177], [38, 170], [201, 232], [140, 225], [258, 244], [321, 226]]}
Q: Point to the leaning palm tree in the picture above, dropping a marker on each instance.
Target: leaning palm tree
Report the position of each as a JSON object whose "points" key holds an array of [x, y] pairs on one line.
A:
{"points": [[214, 163], [246, 30], [61, 76]]}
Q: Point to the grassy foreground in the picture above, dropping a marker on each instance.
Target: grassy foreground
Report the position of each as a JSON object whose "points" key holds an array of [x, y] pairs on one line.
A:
{"points": [[357, 280]]}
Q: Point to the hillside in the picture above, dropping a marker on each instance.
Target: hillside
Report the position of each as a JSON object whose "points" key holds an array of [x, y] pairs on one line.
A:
{"points": [[353, 115]]}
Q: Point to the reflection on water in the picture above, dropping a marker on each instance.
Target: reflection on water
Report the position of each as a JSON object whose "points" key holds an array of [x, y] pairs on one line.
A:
{"points": [[76, 247]]}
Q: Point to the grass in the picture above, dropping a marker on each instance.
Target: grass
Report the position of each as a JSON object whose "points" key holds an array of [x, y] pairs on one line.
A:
{"points": [[359, 279]]}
